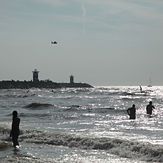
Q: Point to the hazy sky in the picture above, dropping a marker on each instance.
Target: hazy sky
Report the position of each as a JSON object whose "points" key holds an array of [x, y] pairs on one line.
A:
{"points": [[101, 42]]}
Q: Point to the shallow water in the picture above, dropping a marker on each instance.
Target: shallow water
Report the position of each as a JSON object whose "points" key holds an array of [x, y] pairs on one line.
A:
{"points": [[83, 125]]}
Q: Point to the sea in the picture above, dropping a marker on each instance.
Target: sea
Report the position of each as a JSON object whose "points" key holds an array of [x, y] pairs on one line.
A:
{"points": [[82, 125]]}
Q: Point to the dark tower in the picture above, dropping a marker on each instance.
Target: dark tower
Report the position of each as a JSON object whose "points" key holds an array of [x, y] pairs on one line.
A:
{"points": [[35, 75], [71, 79]]}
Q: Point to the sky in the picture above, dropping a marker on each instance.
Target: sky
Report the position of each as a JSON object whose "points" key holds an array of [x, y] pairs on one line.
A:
{"points": [[100, 42]]}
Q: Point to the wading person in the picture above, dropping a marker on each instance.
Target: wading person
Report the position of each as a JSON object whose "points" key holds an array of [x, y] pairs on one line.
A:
{"points": [[15, 129], [132, 112], [149, 108]]}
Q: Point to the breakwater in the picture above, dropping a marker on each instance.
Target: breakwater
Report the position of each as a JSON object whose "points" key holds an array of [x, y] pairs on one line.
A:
{"points": [[12, 84]]}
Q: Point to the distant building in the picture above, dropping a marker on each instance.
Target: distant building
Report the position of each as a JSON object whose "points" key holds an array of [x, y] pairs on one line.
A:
{"points": [[35, 75], [71, 79]]}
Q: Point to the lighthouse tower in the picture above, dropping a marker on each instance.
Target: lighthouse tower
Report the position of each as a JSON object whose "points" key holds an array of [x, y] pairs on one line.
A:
{"points": [[35, 75], [71, 79]]}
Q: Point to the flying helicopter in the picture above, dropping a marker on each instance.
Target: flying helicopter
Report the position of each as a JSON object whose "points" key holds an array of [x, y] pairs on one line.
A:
{"points": [[53, 42]]}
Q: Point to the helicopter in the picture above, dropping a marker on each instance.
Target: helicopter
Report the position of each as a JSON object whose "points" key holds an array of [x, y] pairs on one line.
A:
{"points": [[53, 42]]}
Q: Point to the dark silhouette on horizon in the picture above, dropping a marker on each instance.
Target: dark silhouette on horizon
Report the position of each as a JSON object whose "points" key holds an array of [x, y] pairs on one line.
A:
{"points": [[15, 129], [132, 112]]}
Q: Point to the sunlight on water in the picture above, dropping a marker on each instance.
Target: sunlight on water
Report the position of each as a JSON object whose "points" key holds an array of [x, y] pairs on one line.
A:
{"points": [[83, 125]]}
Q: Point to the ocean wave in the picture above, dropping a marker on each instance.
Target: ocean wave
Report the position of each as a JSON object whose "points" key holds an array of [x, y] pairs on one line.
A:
{"points": [[88, 109], [75, 90], [35, 115], [36, 105], [112, 92], [120, 147], [16, 95], [140, 94]]}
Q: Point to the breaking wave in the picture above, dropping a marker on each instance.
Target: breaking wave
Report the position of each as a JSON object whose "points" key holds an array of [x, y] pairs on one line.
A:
{"points": [[120, 147]]}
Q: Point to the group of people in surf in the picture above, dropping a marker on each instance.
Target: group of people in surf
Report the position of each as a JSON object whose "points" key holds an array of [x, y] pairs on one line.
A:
{"points": [[14, 134], [132, 110]]}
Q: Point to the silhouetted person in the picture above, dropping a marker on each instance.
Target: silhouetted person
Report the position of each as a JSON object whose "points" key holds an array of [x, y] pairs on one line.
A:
{"points": [[141, 90], [15, 129], [149, 108], [132, 112]]}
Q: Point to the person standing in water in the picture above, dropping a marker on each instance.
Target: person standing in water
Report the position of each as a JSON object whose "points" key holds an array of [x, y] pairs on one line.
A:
{"points": [[141, 90], [149, 108], [15, 129], [132, 112]]}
